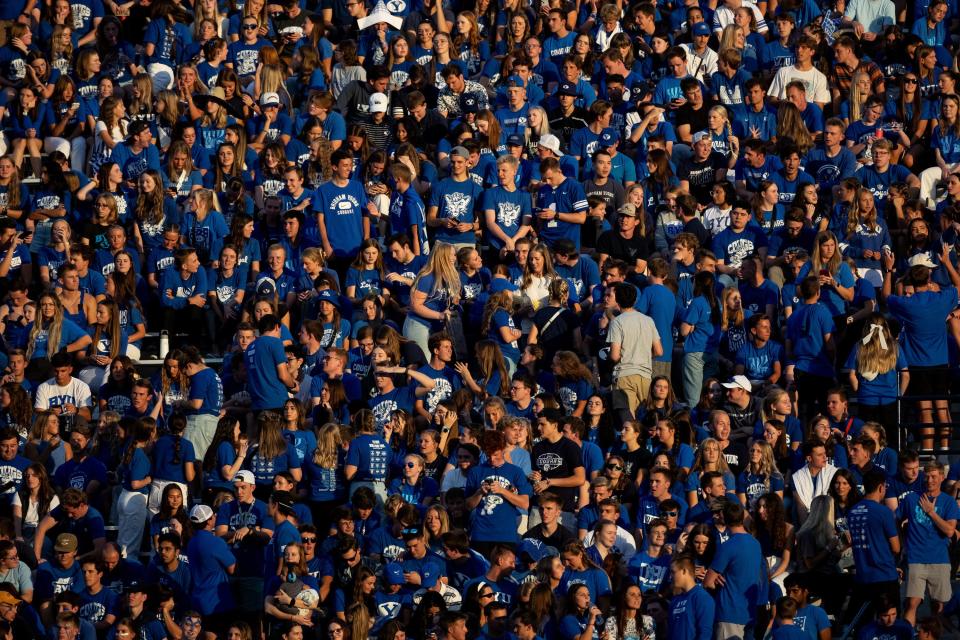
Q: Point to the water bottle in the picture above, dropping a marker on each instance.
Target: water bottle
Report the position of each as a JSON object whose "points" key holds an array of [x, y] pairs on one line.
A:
{"points": [[164, 344]]}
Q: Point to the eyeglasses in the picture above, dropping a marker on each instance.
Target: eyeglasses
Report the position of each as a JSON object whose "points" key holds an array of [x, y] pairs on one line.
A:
{"points": [[617, 467], [489, 594], [308, 540], [335, 632]]}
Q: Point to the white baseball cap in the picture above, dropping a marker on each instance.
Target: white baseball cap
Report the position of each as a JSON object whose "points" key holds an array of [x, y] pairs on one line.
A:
{"points": [[379, 103], [551, 142]]}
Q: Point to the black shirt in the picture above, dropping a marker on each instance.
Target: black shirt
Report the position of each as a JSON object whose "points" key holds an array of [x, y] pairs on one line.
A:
{"points": [[558, 540], [616, 246], [558, 460], [564, 126], [701, 174]]}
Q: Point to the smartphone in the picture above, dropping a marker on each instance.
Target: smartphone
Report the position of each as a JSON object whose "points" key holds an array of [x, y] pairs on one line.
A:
{"points": [[824, 273]]}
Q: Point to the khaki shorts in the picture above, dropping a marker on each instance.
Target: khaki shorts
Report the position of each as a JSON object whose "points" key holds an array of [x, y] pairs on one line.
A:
{"points": [[934, 578], [629, 392]]}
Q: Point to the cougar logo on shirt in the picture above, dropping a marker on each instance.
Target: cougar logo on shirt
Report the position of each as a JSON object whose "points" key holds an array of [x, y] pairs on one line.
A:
{"points": [[507, 213], [456, 204], [247, 61]]}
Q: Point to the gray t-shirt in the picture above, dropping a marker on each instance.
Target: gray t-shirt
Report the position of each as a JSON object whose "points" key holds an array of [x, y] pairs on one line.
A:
{"points": [[635, 333]]}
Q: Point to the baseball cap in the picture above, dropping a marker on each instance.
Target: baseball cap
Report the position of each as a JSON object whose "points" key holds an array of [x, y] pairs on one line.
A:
{"points": [[283, 499], [700, 135], [460, 152], [567, 89], [551, 142], [270, 99], [266, 288], [739, 382], [922, 260], [430, 576], [329, 295], [393, 572], [627, 210], [515, 81], [244, 476], [378, 103], [8, 598], [469, 104], [609, 137], [66, 542], [514, 140], [200, 514], [135, 586], [534, 549], [136, 128], [701, 29]]}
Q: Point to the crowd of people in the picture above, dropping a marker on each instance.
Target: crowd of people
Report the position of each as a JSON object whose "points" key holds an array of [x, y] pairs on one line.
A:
{"points": [[478, 320]]}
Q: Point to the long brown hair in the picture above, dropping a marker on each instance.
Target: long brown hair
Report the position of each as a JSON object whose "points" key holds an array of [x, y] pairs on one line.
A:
{"points": [[111, 331]]}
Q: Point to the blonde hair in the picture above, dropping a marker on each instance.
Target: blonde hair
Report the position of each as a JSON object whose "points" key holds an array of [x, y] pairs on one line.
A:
{"points": [[856, 98], [857, 216], [699, 464], [727, 318], [53, 332], [446, 276], [872, 358], [329, 444]]}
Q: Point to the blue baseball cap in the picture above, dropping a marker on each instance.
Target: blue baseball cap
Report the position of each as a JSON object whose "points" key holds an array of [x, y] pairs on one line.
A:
{"points": [[430, 576], [502, 284], [516, 81], [393, 572], [701, 29], [609, 137], [535, 550], [515, 140], [567, 89]]}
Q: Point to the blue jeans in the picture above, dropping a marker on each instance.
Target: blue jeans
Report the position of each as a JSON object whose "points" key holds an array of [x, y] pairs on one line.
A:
{"points": [[697, 366], [419, 333]]}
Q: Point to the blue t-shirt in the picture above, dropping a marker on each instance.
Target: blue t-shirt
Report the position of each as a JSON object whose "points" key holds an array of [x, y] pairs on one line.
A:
{"points": [[705, 335], [137, 469], [370, 454], [206, 386], [739, 560], [262, 358], [925, 544], [456, 201], [692, 615], [732, 247], [882, 389], [343, 210], [209, 558], [170, 454], [871, 526], [922, 338], [511, 209], [806, 329], [568, 197], [495, 519]]}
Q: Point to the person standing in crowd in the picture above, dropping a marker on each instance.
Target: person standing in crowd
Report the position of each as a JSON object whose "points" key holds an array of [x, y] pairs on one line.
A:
{"points": [[504, 396]]}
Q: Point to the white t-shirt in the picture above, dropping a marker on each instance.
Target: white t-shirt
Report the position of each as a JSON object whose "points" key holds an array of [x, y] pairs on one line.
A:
{"points": [[816, 83], [75, 392]]}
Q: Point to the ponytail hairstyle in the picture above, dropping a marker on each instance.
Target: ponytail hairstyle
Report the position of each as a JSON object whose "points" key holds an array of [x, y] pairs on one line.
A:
{"points": [[142, 432], [177, 424]]}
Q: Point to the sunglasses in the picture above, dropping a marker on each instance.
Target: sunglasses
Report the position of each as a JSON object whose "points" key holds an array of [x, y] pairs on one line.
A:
{"points": [[411, 465], [616, 467], [669, 514], [909, 81], [251, 26], [309, 540]]}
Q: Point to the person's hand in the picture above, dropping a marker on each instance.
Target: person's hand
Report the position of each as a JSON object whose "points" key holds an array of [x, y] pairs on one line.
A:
{"points": [[700, 573], [928, 505], [869, 36], [464, 227], [102, 360], [167, 605], [243, 446], [858, 29], [595, 611], [945, 251], [303, 621], [547, 214], [754, 132], [888, 260], [69, 408], [240, 534], [463, 370], [412, 577], [328, 248]]}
